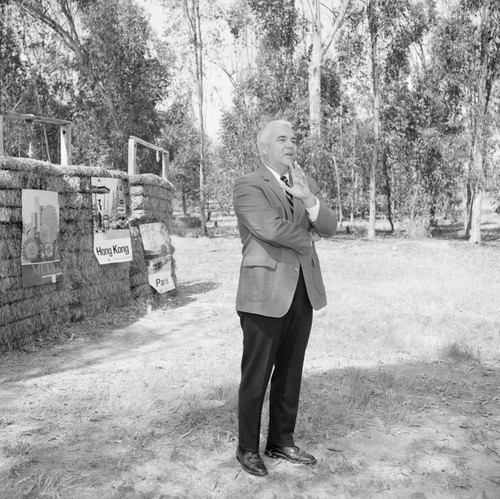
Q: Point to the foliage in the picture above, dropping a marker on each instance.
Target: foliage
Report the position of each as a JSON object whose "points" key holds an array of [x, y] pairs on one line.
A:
{"points": [[99, 64], [133, 67]]}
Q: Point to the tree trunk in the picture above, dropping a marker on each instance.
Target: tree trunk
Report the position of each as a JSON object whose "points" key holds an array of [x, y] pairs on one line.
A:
{"points": [[353, 192], [388, 190], [373, 26], [480, 124], [319, 49], [475, 234], [339, 197], [195, 21], [315, 76]]}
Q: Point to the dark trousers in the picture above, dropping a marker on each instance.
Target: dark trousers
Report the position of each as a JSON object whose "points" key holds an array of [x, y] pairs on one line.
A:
{"points": [[268, 343]]}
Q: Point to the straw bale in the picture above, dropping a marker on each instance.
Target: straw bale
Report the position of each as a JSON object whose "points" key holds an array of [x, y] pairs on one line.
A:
{"points": [[135, 232], [34, 180], [9, 283], [94, 171], [10, 198], [10, 267], [5, 338], [22, 331], [84, 267], [83, 225], [72, 243], [53, 301], [136, 190], [18, 293], [152, 191], [103, 290], [147, 179], [11, 230], [11, 179], [159, 192], [150, 203], [91, 308], [73, 214], [29, 165], [142, 290], [75, 200], [139, 279], [9, 215]]}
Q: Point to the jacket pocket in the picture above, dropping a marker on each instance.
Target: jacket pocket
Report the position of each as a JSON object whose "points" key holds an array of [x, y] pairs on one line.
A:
{"points": [[316, 273], [257, 277]]}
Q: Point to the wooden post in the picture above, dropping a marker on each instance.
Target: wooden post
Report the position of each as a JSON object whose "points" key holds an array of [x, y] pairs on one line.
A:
{"points": [[132, 149], [65, 145], [164, 165], [1, 136]]}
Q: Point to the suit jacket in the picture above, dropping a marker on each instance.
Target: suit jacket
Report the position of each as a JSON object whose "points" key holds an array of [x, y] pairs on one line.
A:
{"points": [[276, 244]]}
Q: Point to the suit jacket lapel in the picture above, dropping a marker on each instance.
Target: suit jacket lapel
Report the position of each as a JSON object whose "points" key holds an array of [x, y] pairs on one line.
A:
{"points": [[274, 185]]}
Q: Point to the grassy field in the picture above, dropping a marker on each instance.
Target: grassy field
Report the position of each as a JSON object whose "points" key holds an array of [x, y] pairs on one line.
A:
{"points": [[400, 396]]}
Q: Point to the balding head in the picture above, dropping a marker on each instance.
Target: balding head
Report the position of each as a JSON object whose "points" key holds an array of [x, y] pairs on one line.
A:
{"points": [[277, 145], [265, 131]]}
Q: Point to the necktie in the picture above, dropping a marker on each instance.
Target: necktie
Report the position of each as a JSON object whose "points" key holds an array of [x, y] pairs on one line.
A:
{"points": [[289, 197]]}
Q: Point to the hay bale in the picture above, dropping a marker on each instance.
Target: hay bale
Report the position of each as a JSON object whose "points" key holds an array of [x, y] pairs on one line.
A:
{"points": [[10, 198], [108, 291], [92, 307], [10, 267], [11, 231], [75, 244], [53, 301], [142, 290], [8, 284], [11, 179], [75, 200], [10, 247], [72, 183], [22, 332], [139, 279], [10, 215]]}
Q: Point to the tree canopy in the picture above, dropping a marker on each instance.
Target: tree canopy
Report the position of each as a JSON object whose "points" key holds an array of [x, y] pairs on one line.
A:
{"points": [[111, 69]]}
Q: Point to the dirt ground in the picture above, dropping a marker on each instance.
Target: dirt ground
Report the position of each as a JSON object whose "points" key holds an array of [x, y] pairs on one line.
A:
{"points": [[451, 449], [448, 445]]}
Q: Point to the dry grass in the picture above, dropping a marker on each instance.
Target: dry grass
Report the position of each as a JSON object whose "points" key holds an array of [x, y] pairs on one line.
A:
{"points": [[150, 410]]}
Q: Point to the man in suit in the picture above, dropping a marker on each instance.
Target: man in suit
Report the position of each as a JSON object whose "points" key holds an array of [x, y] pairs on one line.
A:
{"points": [[280, 217]]}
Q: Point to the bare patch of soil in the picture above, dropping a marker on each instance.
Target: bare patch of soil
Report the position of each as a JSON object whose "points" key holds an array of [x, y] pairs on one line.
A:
{"points": [[144, 405]]}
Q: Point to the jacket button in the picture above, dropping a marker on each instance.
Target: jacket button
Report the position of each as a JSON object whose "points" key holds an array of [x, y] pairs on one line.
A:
{"points": [[296, 269]]}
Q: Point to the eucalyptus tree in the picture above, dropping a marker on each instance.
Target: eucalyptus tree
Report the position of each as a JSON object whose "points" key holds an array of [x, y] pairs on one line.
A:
{"points": [[118, 71], [192, 9], [323, 35], [466, 51]]}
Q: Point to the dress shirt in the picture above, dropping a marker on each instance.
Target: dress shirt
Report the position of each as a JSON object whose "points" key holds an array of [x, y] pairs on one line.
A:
{"points": [[312, 212]]}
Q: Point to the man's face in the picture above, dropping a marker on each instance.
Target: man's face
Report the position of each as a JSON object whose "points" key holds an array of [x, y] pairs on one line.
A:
{"points": [[279, 147]]}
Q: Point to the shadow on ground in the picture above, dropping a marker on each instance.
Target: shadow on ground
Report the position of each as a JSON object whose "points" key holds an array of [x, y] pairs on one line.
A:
{"points": [[108, 337], [412, 430]]}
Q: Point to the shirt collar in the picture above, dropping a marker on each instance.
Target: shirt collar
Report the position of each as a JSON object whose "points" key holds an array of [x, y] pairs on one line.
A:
{"points": [[277, 176]]}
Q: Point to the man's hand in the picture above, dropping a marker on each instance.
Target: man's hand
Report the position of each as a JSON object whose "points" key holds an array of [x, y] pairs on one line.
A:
{"points": [[315, 237], [300, 188]]}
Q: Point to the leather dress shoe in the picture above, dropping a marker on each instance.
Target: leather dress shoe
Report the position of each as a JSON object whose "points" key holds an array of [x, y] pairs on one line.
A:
{"points": [[292, 453], [251, 462]]}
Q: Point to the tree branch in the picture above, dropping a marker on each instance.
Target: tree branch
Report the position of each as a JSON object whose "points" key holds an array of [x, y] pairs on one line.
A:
{"points": [[338, 22]]}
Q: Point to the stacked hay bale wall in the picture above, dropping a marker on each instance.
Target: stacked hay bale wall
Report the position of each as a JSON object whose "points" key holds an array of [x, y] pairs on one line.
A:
{"points": [[151, 201], [86, 287]]}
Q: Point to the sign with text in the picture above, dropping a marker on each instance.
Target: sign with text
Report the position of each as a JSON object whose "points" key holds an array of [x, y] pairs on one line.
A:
{"points": [[111, 233], [40, 261], [155, 239]]}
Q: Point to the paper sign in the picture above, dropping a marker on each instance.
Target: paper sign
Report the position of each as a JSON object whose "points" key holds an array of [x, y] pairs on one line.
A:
{"points": [[111, 234], [155, 240], [40, 262]]}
